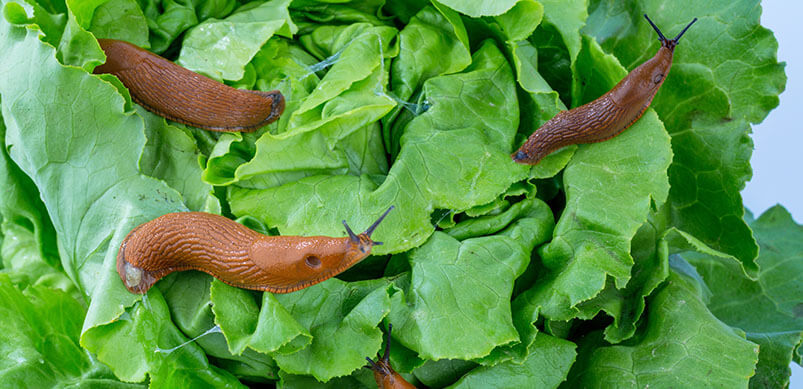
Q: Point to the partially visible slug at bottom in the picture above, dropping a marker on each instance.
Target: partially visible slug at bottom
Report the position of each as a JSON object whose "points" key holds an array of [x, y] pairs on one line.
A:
{"points": [[385, 376]]}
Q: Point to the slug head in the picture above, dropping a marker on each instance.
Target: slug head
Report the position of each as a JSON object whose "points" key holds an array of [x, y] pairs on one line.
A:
{"points": [[527, 155], [641, 84], [360, 245], [135, 279], [291, 263]]}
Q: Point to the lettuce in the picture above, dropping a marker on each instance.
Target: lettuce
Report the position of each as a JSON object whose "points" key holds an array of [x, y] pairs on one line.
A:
{"points": [[630, 262]]}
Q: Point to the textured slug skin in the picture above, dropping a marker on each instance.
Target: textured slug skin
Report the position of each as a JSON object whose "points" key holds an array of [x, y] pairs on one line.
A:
{"points": [[232, 253], [387, 378], [608, 115], [184, 96]]}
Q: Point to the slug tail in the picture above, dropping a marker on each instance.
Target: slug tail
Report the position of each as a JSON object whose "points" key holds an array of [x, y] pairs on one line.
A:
{"points": [[277, 104]]}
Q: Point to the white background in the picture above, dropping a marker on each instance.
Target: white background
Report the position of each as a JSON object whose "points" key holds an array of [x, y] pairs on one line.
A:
{"points": [[778, 156]]}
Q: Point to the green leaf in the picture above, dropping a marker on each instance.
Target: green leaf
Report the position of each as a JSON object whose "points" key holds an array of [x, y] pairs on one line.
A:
{"points": [[546, 367], [768, 310], [167, 19], [24, 264], [457, 303], [23, 14], [429, 172], [704, 200], [222, 48], [438, 374], [681, 344], [325, 124], [416, 104], [650, 269], [29, 248], [434, 31], [145, 340], [477, 8], [39, 341], [172, 155], [267, 329], [487, 225], [113, 19], [342, 318], [291, 381], [521, 20], [559, 43], [78, 46], [433, 43], [309, 14], [193, 314], [567, 17]]}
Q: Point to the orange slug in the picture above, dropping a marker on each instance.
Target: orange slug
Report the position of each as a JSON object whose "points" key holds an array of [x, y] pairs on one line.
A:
{"points": [[184, 96], [385, 376], [235, 254], [608, 115]]}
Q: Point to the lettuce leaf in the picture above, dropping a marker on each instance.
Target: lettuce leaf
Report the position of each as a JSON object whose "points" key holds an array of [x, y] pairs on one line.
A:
{"points": [[682, 343], [768, 309], [39, 340]]}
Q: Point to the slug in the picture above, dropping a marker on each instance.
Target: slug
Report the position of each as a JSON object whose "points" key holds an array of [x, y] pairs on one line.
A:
{"points": [[608, 115], [235, 254], [184, 96], [385, 376]]}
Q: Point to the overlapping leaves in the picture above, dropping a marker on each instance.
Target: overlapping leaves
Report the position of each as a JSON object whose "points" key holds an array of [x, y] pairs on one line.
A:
{"points": [[418, 105]]}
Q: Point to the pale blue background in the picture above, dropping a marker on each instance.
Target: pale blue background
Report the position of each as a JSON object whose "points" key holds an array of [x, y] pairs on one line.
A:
{"points": [[778, 156]]}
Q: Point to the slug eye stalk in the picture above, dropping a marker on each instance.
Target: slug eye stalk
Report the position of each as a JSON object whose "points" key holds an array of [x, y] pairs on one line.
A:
{"points": [[661, 36], [684, 31], [368, 231]]}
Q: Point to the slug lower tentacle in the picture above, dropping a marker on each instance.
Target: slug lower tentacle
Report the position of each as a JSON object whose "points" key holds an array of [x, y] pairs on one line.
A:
{"points": [[184, 96], [234, 253], [608, 115]]}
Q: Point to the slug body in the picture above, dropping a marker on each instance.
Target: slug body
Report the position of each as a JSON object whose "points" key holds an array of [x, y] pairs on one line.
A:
{"points": [[184, 96], [608, 115], [385, 376], [234, 253]]}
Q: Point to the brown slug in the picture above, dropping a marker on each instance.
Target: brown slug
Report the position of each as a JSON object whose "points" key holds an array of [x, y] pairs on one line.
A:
{"points": [[385, 376], [608, 115], [184, 96], [235, 254]]}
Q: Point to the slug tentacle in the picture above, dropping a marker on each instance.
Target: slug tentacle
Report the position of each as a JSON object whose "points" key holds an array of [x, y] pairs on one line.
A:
{"points": [[385, 376], [607, 116], [183, 96], [233, 253], [372, 227]]}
